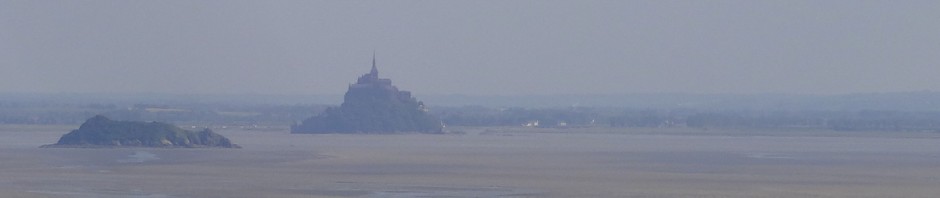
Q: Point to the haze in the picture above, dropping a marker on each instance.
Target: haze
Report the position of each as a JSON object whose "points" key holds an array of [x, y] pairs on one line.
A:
{"points": [[470, 47]]}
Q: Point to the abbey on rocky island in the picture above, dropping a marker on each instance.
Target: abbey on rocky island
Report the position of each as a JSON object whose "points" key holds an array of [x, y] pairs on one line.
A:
{"points": [[373, 105]]}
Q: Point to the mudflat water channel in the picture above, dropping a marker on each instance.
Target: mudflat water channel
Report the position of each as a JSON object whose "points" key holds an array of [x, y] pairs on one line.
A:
{"points": [[491, 164]]}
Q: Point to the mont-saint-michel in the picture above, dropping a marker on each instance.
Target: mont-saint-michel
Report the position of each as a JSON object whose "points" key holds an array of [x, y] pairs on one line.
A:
{"points": [[100, 131], [373, 106]]}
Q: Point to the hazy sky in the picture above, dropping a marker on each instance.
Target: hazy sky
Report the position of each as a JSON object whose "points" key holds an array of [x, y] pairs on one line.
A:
{"points": [[471, 47]]}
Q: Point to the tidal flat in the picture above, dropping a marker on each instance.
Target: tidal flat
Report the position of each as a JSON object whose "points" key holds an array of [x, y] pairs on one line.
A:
{"points": [[493, 162]]}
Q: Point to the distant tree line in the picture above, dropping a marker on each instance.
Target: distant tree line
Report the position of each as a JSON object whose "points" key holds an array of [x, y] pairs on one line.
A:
{"points": [[863, 120], [286, 115], [220, 114], [547, 117]]}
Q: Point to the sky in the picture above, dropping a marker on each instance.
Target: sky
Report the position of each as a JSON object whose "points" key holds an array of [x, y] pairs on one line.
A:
{"points": [[470, 47]]}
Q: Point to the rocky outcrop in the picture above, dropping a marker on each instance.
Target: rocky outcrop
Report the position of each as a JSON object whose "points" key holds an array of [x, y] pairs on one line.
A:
{"points": [[373, 105], [100, 131]]}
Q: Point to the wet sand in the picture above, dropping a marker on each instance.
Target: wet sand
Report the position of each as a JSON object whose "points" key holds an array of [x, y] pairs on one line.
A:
{"points": [[495, 163]]}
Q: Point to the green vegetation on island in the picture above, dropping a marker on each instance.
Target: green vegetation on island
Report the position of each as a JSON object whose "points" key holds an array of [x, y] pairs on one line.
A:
{"points": [[99, 131]]}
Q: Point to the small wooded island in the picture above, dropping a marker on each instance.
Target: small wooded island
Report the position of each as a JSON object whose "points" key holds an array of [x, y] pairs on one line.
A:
{"points": [[99, 131]]}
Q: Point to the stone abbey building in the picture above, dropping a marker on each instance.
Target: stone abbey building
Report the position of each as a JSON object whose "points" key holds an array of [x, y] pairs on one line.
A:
{"points": [[373, 105]]}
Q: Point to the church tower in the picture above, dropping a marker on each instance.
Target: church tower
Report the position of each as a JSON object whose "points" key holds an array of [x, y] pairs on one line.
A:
{"points": [[372, 78], [375, 71]]}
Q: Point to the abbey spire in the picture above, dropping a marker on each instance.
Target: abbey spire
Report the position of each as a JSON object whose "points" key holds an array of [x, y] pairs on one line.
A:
{"points": [[375, 71], [372, 78]]}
